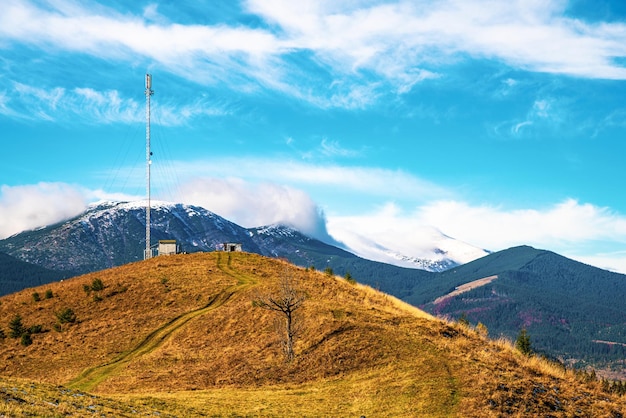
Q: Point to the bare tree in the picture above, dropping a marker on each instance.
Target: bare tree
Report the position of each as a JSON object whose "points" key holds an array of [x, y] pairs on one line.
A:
{"points": [[285, 301]]}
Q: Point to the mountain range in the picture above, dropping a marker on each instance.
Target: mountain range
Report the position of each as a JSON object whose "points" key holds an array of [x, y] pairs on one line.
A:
{"points": [[113, 233], [571, 310]]}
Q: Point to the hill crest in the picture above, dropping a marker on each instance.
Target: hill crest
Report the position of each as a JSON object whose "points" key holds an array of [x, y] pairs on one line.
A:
{"points": [[186, 323]]}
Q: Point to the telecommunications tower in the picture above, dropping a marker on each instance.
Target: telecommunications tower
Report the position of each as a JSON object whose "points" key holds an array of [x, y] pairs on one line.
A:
{"points": [[148, 251]]}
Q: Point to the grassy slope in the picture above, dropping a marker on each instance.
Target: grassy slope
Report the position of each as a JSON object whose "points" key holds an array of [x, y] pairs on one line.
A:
{"points": [[179, 334]]}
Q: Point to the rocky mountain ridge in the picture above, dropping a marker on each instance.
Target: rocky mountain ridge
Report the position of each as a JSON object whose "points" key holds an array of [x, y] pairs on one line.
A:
{"points": [[108, 234]]}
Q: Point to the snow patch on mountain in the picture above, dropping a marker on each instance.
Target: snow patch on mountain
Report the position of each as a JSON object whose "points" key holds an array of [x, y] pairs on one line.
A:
{"points": [[425, 249], [276, 230]]}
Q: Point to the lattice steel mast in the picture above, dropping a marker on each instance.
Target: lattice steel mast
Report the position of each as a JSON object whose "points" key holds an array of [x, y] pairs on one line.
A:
{"points": [[148, 251]]}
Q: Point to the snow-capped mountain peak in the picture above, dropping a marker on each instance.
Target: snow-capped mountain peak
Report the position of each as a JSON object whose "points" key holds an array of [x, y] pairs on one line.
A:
{"points": [[426, 248], [112, 233]]}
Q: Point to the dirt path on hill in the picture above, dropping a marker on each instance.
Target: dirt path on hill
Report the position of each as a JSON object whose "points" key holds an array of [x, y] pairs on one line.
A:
{"points": [[90, 378]]}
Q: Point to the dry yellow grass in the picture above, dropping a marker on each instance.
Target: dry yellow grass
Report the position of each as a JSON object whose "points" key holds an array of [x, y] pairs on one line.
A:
{"points": [[180, 335]]}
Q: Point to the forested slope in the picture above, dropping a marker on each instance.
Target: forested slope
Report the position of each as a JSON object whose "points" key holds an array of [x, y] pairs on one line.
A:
{"points": [[16, 275], [572, 310]]}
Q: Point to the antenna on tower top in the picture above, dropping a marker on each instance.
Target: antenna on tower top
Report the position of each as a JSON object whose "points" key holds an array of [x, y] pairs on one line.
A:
{"points": [[148, 251]]}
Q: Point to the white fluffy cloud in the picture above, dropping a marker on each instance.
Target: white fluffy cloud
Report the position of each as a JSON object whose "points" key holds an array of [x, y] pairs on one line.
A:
{"points": [[560, 225], [32, 206], [570, 228], [252, 205]]}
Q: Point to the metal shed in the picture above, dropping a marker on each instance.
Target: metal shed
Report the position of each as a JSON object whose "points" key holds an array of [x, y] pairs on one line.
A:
{"points": [[168, 247], [231, 247]]}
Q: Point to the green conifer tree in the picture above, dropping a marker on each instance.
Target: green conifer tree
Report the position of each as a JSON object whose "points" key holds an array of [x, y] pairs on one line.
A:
{"points": [[26, 339], [16, 328], [523, 343]]}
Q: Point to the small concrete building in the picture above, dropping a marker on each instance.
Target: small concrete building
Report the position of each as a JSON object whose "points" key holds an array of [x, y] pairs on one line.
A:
{"points": [[168, 247], [230, 247]]}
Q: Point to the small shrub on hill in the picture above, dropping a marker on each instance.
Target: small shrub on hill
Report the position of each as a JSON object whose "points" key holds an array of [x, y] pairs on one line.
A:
{"points": [[16, 327], [49, 294], [18, 330], [26, 339], [36, 297], [349, 278], [66, 316], [329, 271], [35, 329], [97, 285], [523, 343]]}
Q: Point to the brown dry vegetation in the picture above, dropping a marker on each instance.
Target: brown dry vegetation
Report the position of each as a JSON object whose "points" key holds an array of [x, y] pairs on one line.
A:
{"points": [[179, 334]]}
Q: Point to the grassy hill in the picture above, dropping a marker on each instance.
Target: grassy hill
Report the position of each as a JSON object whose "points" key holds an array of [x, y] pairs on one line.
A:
{"points": [[179, 336]]}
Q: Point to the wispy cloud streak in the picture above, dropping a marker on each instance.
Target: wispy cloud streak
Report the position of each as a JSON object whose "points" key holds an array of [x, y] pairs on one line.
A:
{"points": [[372, 181], [357, 51], [90, 106]]}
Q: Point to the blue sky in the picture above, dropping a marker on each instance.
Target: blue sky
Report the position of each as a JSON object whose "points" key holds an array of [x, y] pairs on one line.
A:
{"points": [[498, 123]]}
